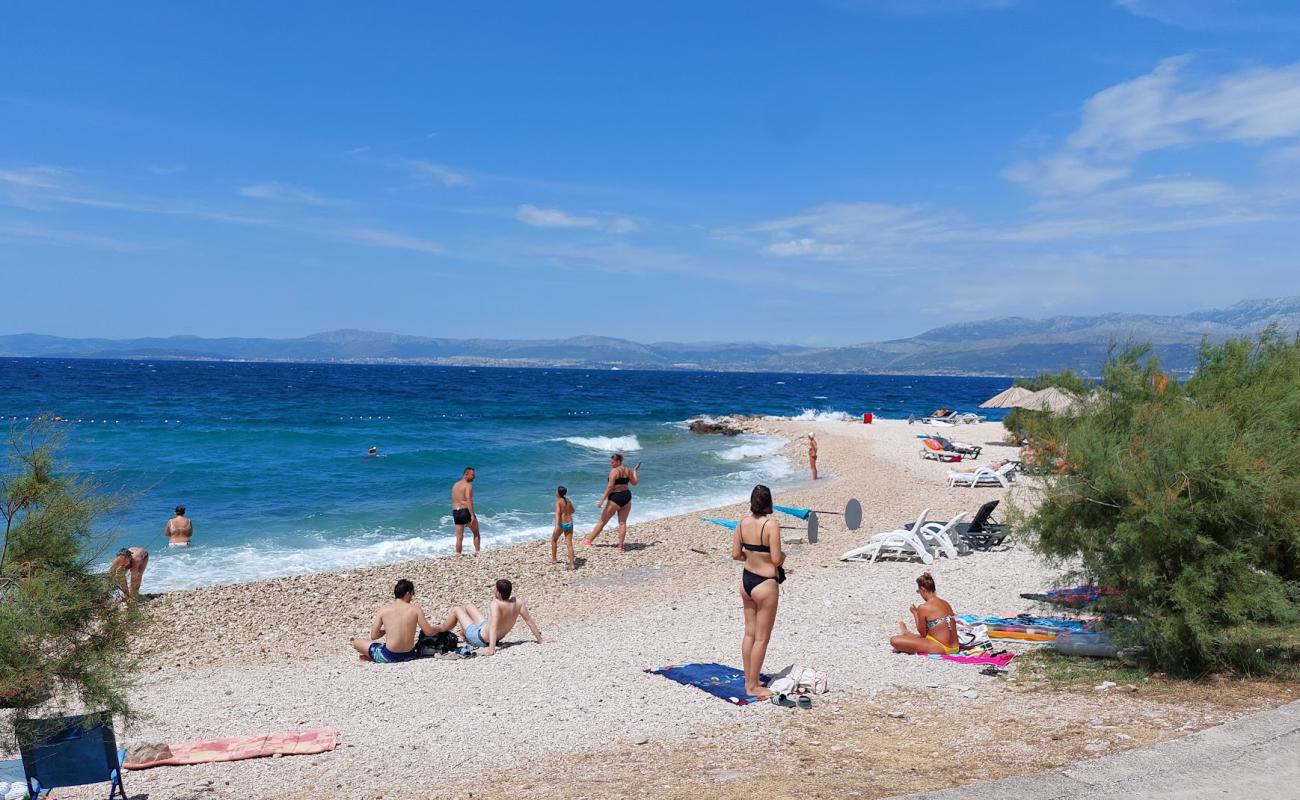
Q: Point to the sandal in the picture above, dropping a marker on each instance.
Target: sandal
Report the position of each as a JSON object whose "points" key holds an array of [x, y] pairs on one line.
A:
{"points": [[782, 700]]}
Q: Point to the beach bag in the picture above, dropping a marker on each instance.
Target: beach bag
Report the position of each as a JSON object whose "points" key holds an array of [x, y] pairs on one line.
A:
{"points": [[800, 680], [969, 636], [428, 646]]}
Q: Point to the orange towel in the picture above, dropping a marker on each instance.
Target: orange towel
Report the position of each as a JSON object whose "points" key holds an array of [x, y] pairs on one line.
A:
{"points": [[237, 748], [1023, 636]]}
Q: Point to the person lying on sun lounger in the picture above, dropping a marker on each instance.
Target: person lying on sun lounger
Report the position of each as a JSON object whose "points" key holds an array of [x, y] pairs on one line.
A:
{"points": [[942, 412], [994, 465], [936, 623], [392, 632], [487, 631]]}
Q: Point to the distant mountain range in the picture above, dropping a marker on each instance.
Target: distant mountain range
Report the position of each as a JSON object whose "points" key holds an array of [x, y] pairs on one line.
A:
{"points": [[1003, 346]]}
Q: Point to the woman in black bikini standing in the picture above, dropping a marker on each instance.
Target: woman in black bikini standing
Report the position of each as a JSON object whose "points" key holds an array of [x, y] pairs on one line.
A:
{"points": [[757, 542], [617, 499]]}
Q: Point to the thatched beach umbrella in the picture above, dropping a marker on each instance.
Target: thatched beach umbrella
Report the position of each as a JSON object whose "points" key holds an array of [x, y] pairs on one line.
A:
{"points": [[1011, 398], [1053, 399]]}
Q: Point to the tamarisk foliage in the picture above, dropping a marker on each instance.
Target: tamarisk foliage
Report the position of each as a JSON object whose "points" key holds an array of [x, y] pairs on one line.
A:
{"points": [[63, 635], [1185, 498]]}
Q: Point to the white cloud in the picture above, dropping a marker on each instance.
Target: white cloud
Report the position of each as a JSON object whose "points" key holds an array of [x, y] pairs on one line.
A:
{"points": [[1063, 174], [1163, 110], [34, 177], [378, 237], [530, 214], [283, 193], [621, 225], [536, 217], [442, 174], [804, 247], [1216, 15]]}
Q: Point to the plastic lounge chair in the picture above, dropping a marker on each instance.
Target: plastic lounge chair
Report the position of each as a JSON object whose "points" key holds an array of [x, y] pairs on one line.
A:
{"points": [[944, 536], [935, 451], [899, 542], [69, 751], [971, 450], [983, 532], [983, 477]]}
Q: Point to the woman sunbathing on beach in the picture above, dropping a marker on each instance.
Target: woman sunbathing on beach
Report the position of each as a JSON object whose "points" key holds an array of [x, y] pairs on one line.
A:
{"points": [[617, 499], [993, 465], [757, 542], [936, 623], [563, 524]]}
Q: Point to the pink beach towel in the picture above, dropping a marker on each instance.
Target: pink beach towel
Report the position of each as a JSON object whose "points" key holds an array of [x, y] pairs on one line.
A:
{"points": [[1000, 660], [237, 748]]}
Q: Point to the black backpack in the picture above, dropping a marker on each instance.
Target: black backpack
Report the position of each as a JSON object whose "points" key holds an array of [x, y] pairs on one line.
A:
{"points": [[427, 646]]}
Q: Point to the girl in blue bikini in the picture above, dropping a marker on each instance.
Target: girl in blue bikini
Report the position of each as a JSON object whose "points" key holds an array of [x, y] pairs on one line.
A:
{"points": [[563, 524]]}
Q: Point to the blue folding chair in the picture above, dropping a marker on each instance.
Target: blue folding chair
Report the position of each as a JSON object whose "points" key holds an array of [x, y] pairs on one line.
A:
{"points": [[70, 751]]}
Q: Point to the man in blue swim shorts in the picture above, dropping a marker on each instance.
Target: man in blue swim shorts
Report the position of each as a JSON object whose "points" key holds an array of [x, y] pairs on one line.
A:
{"points": [[392, 633]]}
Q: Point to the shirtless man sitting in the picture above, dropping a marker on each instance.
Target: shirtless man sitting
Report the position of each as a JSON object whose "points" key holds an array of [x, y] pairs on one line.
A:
{"points": [[392, 633], [179, 529], [503, 613], [462, 508]]}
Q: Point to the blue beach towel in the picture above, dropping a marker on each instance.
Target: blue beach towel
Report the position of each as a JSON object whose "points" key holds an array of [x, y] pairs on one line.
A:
{"points": [[1027, 621], [727, 683]]}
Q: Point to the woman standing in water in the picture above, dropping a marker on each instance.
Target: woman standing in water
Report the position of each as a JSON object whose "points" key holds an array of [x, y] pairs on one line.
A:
{"points": [[617, 499], [757, 543]]}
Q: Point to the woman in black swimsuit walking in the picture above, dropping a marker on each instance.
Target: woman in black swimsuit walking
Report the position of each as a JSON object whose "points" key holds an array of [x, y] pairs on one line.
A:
{"points": [[617, 499], [759, 547]]}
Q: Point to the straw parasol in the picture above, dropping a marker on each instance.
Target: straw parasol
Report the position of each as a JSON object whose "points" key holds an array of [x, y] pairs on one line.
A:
{"points": [[1011, 398], [1053, 399]]}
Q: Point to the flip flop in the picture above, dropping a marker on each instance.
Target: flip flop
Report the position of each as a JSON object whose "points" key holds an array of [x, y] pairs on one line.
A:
{"points": [[804, 702], [782, 700]]}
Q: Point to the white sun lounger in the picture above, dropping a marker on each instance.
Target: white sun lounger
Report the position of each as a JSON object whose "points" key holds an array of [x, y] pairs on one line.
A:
{"points": [[899, 542], [944, 536], [983, 477]]}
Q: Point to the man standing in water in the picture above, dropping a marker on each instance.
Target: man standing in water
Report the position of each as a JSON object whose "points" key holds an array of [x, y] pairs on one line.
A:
{"points": [[812, 455], [462, 508], [179, 529]]}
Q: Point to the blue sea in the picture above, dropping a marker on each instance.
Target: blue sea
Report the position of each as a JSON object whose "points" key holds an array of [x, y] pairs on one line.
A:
{"points": [[270, 458]]}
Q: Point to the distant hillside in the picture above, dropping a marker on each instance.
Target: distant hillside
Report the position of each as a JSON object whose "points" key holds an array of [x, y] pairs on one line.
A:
{"points": [[1004, 346]]}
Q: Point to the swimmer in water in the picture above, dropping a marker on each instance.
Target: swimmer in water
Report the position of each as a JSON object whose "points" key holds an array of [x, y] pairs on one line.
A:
{"points": [[563, 525], [372, 452], [179, 529]]}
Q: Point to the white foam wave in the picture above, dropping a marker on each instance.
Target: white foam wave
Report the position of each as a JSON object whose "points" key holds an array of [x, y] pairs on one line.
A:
{"points": [[813, 415], [754, 447], [605, 444]]}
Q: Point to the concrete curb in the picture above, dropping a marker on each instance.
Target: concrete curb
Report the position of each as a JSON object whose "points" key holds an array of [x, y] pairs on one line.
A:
{"points": [[1255, 755]]}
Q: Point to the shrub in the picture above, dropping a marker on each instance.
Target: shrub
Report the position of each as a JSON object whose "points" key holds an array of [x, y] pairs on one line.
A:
{"points": [[63, 636], [1187, 499]]}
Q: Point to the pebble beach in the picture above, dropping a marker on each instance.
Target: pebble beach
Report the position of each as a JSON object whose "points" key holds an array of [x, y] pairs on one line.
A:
{"points": [[578, 716]]}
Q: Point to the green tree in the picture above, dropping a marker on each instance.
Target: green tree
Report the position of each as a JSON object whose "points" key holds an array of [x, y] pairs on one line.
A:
{"points": [[1186, 498], [63, 634]]}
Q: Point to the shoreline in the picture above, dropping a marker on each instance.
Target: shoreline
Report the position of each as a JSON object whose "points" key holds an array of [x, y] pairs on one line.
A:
{"points": [[703, 505]]}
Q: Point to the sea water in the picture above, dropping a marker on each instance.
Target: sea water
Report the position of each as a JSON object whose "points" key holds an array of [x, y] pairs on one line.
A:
{"points": [[270, 458]]}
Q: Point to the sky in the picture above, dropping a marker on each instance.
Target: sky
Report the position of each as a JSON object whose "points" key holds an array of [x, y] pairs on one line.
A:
{"points": [[818, 172]]}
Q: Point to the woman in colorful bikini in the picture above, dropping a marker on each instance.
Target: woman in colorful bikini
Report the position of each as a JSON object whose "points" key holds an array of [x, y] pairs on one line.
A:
{"points": [[563, 524], [757, 543], [617, 499], [936, 623]]}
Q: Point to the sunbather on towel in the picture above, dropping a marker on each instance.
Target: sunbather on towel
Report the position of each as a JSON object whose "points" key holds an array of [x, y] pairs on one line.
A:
{"points": [[392, 633], [936, 623], [503, 612], [993, 465]]}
